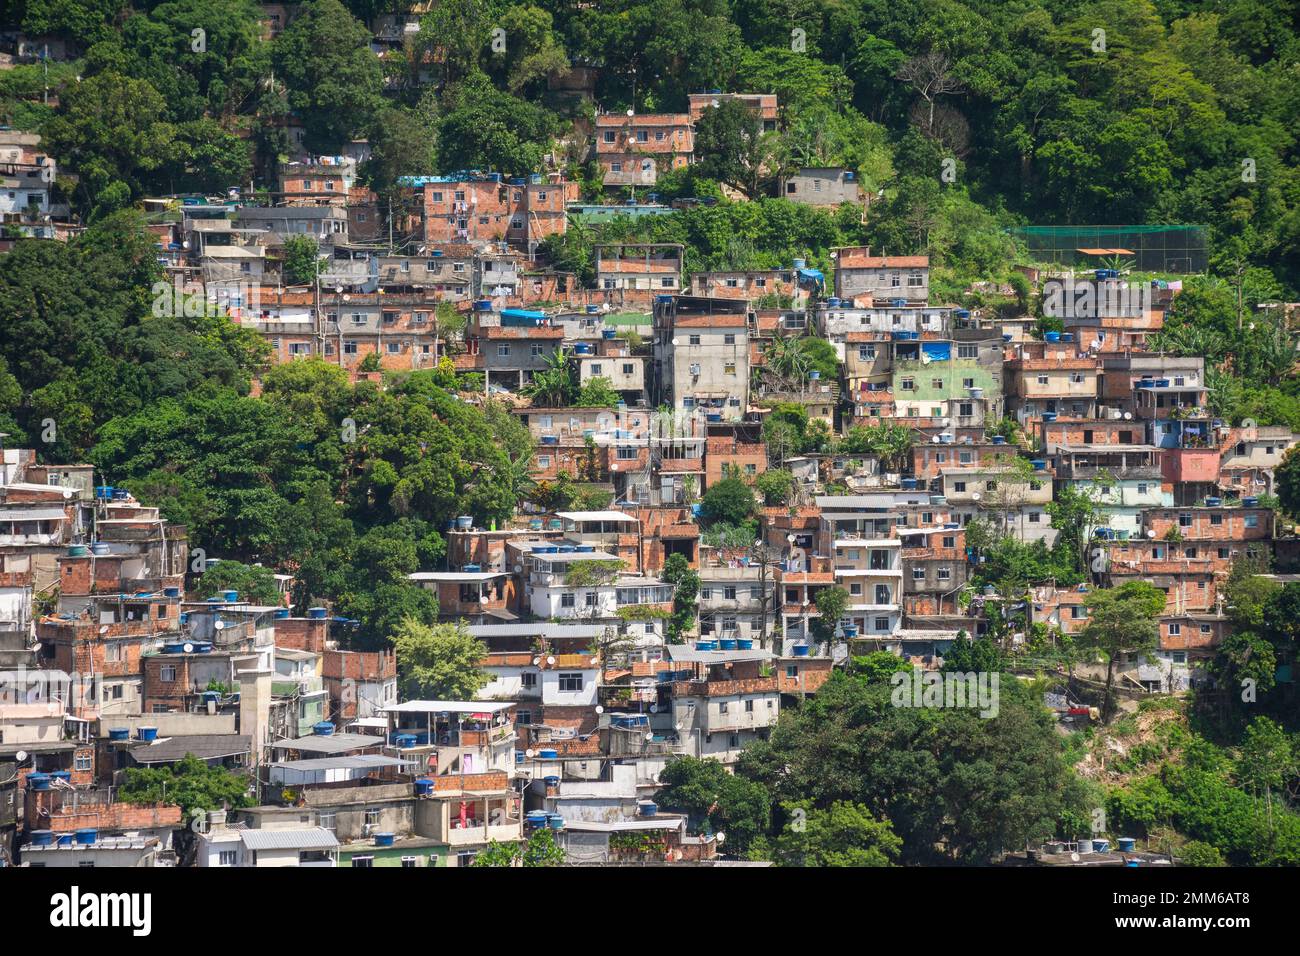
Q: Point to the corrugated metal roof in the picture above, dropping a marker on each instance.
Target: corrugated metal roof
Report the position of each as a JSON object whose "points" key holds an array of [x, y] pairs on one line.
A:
{"points": [[331, 744], [32, 514], [312, 838]]}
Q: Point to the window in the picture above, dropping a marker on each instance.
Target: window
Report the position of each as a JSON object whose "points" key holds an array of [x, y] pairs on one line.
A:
{"points": [[881, 624], [729, 368], [528, 680], [567, 599], [328, 820], [968, 351], [409, 862], [571, 682], [595, 368], [82, 762], [372, 816], [503, 351], [722, 706], [543, 461], [693, 340], [1185, 520], [907, 385], [792, 671], [918, 574], [728, 340], [363, 861], [167, 673], [1175, 630], [226, 858]]}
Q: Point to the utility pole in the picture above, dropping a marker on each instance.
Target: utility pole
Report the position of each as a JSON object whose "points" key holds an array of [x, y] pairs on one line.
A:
{"points": [[765, 556]]}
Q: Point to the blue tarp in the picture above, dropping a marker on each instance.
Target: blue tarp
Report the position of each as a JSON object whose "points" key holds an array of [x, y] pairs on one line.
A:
{"points": [[811, 274], [937, 351]]}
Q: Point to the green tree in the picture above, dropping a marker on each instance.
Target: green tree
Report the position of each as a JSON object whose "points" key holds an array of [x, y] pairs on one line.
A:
{"points": [[686, 592], [844, 834], [540, 849], [190, 784], [832, 604], [776, 485], [729, 501], [254, 582], [1121, 621], [442, 661], [955, 787], [332, 77], [730, 146], [597, 392], [301, 260], [715, 800]]}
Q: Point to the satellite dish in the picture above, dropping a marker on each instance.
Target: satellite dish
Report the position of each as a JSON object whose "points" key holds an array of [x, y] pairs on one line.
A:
{"points": [[550, 660], [530, 752], [1127, 416], [1151, 533], [975, 497], [67, 493], [600, 709], [934, 439], [21, 756], [649, 736], [654, 708], [680, 727], [1074, 858], [188, 647], [595, 662], [536, 661], [631, 113], [722, 837], [220, 625], [519, 569]]}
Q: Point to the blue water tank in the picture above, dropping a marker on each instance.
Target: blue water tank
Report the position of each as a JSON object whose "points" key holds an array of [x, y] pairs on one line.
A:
{"points": [[230, 596], [281, 613], [1250, 501], [316, 613], [745, 644], [1127, 844], [535, 818], [42, 837], [146, 733], [384, 839], [1052, 336], [647, 808], [38, 781], [171, 592], [87, 836], [423, 787], [1213, 502], [119, 733], [548, 754], [403, 741], [323, 729], [801, 650], [555, 821], [727, 644], [551, 781], [471, 569]]}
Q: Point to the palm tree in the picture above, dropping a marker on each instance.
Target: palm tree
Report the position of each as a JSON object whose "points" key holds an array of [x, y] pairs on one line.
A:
{"points": [[552, 386]]}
